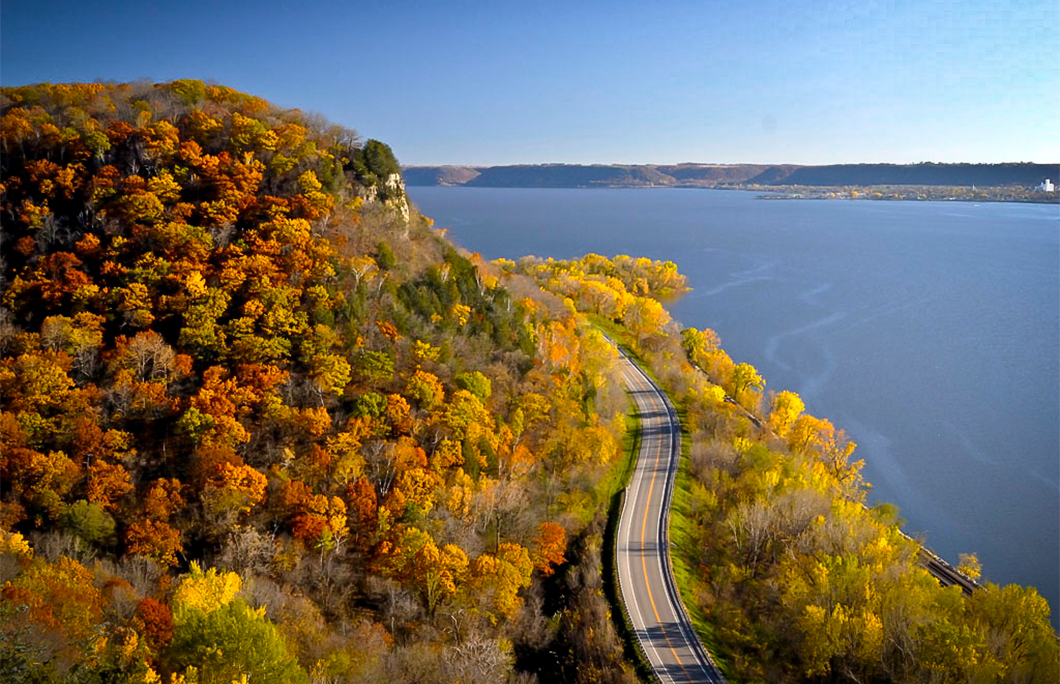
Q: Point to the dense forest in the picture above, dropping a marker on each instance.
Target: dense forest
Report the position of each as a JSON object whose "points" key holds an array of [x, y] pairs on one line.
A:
{"points": [[256, 422], [261, 422]]}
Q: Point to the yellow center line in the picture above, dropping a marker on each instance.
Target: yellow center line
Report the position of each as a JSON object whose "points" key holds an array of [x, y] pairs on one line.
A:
{"points": [[644, 562]]}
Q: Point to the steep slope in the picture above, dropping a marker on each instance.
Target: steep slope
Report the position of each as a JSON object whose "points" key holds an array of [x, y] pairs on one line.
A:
{"points": [[303, 435], [714, 173]]}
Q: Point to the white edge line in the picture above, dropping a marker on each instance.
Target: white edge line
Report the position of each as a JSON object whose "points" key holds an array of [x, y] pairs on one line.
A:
{"points": [[638, 477], [699, 653]]}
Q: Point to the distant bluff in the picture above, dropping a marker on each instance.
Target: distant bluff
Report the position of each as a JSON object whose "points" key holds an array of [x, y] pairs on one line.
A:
{"points": [[713, 175]]}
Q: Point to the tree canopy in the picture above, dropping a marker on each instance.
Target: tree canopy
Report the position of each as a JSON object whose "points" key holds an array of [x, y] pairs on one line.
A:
{"points": [[260, 422]]}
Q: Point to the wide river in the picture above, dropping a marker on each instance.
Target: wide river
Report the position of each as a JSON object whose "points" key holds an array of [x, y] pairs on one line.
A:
{"points": [[929, 331]]}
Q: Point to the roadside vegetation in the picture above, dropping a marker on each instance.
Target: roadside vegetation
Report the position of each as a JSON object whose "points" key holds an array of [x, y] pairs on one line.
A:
{"points": [[787, 575]]}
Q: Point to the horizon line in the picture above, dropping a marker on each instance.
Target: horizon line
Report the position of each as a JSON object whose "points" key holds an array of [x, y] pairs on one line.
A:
{"points": [[691, 163]]}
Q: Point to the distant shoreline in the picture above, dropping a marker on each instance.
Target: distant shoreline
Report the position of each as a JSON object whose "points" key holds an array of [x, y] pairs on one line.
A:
{"points": [[1014, 182], [911, 194], [1001, 194]]}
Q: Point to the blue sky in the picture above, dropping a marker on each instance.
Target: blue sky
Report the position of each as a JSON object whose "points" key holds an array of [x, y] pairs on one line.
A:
{"points": [[584, 82]]}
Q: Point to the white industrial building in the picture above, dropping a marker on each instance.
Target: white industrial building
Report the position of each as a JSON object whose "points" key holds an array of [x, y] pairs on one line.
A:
{"points": [[1046, 185]]}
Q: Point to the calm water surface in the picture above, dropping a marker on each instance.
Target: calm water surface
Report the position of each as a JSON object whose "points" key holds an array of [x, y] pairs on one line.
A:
{"points": [[929, 331]]}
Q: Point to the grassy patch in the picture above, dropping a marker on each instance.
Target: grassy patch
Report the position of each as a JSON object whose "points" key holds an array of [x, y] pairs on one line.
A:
{"points": [[613, 330], [682, 545], [620, 473]]}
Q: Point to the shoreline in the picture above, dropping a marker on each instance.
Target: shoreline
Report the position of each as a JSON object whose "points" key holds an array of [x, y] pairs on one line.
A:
{"points": [[871, 193]]}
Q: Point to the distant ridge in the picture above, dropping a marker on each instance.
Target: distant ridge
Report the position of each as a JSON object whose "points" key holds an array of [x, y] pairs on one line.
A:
{"points": [[438, 175], [714, 175]]}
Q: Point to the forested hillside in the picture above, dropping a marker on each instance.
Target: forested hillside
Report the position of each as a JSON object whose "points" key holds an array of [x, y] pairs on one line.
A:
{"points": [[262, 423], [260, 426]]}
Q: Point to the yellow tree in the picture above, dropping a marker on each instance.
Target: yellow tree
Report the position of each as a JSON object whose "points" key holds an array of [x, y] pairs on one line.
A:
{"points": [[414, 486], [61, 599], [1019, 637], [745, 377], [234, 487], [464, 411], [204, 591], [426, 389], [645, 316], [435, 573], [787, 407], [819, 437], [497, 578]]}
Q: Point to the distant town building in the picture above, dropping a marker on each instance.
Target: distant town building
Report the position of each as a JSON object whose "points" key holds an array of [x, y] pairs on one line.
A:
{"points": [[1047, 185]]}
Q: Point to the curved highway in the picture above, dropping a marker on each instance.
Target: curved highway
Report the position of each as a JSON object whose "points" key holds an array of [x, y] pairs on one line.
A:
{"points": [[643, 555]]}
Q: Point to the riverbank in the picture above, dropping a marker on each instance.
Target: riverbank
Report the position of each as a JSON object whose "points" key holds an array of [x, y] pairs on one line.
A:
{"points": [[907, 193]]}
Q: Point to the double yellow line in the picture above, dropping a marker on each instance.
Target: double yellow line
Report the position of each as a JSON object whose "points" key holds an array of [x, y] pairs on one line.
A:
{"points": [[643, 557]]}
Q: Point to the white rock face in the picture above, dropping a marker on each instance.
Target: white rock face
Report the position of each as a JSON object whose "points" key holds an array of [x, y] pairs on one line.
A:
{"points": [[394, 186], [394, 183]]}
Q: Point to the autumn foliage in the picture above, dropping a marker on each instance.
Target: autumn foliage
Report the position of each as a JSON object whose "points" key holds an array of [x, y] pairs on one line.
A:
{"points": [[797, 577], [259, 421], [249, 392]]}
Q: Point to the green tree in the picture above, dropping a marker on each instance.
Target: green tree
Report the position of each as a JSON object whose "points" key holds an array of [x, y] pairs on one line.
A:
{"points": [[230, 642], [385, 256], [476, 383], [370, 404], [374, 366], [89, 522], [373, 164], [379, 159]]}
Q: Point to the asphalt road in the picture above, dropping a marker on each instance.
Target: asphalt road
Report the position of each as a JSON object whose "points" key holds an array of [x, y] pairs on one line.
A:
{"points": [[643, 557]]}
